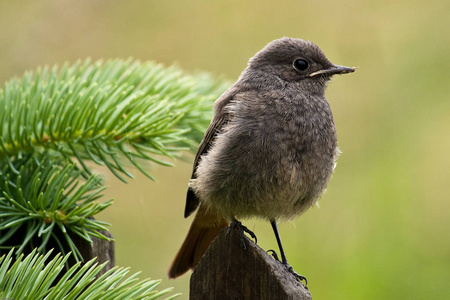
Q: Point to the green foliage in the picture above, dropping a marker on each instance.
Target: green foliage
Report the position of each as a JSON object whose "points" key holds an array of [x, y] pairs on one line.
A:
{"points": [[46, 194], [31, 277], [115, 113], [100, 111]]}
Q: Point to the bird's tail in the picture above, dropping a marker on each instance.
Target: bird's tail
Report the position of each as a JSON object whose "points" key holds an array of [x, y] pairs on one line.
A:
{"points": [[204, 229]]}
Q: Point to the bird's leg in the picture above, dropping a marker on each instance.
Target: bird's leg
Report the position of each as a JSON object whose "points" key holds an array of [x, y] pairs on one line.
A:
{"points": [[280, 246], [242, 229], [283, 256]]}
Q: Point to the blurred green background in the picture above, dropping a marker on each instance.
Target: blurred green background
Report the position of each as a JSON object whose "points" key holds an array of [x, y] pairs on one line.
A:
{"points": [[382, 231]]}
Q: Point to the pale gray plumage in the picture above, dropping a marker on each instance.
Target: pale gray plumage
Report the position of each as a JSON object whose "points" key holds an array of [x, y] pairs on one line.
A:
{"points": [[270, 149], [275, 144]]}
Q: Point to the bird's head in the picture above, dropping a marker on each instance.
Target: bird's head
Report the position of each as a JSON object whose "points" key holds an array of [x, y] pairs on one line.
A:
{"points": [[295, 61]]}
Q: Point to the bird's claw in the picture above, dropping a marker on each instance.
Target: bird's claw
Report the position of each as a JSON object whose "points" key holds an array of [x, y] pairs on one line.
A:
{"points": [[273, 254], [242, 229], [289, 268], [296, 275]]}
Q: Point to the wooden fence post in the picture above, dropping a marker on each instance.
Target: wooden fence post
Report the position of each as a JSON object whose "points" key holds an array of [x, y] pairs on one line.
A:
{"points": [[227, 271], [103, 250]]}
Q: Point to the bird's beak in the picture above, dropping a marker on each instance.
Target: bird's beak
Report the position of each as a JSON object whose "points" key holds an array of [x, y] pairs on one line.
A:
{"points": [[335, 69]]}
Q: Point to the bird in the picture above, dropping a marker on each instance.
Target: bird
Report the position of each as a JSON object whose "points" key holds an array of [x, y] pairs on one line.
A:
{"points": [[269, 151]]}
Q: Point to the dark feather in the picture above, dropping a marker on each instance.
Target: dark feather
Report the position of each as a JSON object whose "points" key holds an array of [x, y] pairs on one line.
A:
{"points": [[220, 118]]}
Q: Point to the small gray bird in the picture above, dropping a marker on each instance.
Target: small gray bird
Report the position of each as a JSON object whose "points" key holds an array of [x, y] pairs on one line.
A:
{"points": [[269, 151]]}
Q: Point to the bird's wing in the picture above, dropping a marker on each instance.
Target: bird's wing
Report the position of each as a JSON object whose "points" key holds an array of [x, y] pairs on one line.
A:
{"points": [[221, 117]]}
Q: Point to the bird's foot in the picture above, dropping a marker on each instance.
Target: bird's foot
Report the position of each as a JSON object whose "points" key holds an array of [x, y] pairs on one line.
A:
{"points": [[273, 254], [296, 275], [236, 224], [288, 267]]}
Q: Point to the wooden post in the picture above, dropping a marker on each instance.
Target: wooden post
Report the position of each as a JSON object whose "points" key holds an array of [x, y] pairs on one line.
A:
{"points": [[103, 250], [227, 271]]}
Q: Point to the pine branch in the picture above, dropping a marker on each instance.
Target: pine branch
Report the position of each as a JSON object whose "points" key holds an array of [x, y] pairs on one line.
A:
{"points": [[31, 277], [47, 196], [115, 113], [104, 112]]}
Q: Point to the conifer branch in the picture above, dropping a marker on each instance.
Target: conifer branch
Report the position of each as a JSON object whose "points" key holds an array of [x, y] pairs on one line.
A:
{"points": [[104, 112], [47, 196], [55, 120], [34, 277]]}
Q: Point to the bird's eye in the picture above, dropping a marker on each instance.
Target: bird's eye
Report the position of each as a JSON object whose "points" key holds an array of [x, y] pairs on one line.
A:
{"points": [[301, 65]]}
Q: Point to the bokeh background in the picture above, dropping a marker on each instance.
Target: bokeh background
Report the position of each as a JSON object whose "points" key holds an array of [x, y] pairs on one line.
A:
{"points": [[382, 229]]}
